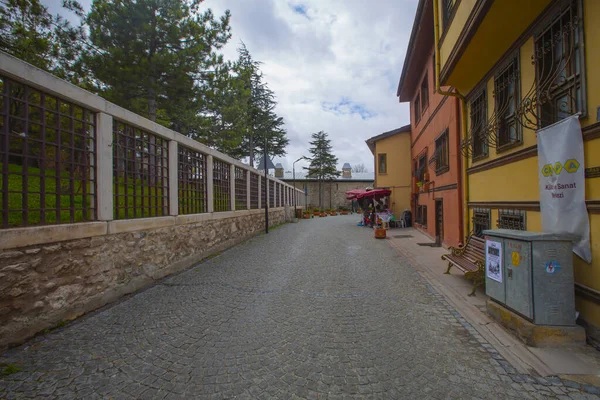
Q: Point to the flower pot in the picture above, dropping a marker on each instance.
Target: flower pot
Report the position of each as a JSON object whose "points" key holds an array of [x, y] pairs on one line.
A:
{"points": [[379, 233]]}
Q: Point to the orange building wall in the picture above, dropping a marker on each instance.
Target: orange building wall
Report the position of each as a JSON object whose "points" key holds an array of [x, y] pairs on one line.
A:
{"points": [[442, 113]]}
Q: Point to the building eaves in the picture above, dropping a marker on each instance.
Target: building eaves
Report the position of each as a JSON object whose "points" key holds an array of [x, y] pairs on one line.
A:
{"points": [[371, 141], [411, 45]]}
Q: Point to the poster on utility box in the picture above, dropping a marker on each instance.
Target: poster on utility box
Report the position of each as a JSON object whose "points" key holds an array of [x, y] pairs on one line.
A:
{"points": [[562, 183], [493, 260]]}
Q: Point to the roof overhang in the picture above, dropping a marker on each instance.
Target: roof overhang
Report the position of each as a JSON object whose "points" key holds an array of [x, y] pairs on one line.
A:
{"points": [[417, 52], [371, 141]]}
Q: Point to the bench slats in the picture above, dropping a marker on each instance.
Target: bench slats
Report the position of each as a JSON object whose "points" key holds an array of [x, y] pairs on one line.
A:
{"points": [[473, 255]]}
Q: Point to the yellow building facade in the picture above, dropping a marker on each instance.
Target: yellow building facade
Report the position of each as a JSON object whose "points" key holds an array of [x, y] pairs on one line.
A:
{"points": [[519, 66], [392, 163]]}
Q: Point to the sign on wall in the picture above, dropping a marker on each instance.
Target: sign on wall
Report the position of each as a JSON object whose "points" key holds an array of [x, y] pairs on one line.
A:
{"points": [[562, 183], [493, 260]]}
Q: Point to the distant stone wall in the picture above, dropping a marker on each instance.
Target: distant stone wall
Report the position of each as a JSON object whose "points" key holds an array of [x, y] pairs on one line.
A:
{"points": [[335, 190], [44, 284]]}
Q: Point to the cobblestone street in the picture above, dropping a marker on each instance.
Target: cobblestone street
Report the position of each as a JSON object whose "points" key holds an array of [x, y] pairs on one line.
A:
{"points": [[316, 310]]}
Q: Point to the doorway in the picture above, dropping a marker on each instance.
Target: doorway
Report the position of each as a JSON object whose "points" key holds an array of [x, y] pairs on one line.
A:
{"points": [[439, 221]]}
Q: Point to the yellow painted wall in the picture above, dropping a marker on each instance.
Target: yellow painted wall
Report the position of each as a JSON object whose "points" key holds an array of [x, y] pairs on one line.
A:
{"points": [[458, 22], [492, 39], [591, 18], [518, 181], [398, 176]]}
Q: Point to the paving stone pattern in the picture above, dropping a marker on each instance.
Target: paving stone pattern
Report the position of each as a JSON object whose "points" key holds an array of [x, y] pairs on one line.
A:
{"points": [[317, 310]]}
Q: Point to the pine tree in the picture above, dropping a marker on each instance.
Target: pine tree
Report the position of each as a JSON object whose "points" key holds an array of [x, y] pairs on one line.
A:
{"points": [[263, 125], [323, 163], [29, 32], [151, 56]]}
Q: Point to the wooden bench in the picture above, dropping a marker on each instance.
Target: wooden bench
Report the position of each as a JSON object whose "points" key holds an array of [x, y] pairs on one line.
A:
{"points": [[470, 259]]}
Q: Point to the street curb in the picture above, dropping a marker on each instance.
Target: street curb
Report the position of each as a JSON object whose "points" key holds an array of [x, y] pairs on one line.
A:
{"points": [[512, 373]]}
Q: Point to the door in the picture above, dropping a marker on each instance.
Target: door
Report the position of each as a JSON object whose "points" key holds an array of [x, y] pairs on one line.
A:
{"points": [[439, 221], [517, 259]]}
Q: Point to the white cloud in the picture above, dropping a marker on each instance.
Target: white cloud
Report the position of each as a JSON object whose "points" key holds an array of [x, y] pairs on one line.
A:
{"points": [[333, 64]]}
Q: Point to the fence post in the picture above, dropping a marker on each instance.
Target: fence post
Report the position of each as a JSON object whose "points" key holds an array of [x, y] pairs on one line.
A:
{"points": [[268, 195], [259, 191], [173, 178], [248, 201], [232, 178], [104, 166], [210, 206]]}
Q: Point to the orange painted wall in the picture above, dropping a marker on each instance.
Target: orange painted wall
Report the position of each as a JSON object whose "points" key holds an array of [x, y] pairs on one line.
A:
{"points": [[441, 114]]}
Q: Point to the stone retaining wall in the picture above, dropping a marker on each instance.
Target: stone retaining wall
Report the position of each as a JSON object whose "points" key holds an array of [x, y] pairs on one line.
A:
{"points": [[44, 284]]}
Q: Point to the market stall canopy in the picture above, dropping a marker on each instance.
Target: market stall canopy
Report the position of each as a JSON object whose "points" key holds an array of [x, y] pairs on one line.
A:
{"points": [[352, 194], [374, 194]]}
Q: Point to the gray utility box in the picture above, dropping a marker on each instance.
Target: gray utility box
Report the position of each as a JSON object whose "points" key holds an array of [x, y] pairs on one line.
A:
{"points": [[532, 274]]}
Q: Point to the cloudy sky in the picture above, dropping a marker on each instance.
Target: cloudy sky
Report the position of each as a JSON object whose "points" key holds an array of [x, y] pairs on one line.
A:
{"points": [[334, 65]]}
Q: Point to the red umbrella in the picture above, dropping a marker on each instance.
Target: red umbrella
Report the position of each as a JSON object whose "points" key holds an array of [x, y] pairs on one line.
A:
{"points": [[374, 194], [352, 194]]}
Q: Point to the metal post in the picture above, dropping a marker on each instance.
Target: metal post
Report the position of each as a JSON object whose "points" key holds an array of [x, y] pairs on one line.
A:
{"points": [[266, 188]]}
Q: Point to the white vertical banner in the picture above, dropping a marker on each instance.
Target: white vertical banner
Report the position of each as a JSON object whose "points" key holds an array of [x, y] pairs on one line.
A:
{"points": [[562, 183]]}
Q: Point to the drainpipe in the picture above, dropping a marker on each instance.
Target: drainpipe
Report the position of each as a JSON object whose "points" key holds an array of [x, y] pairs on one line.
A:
{"points": [[463, 102]]}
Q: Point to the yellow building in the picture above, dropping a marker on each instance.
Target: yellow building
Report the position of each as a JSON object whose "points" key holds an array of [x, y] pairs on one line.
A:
{"points": [[519, 66], [391, 151]]}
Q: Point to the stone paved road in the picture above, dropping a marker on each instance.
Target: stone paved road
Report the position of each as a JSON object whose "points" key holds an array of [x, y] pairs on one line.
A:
{"points": [[316, 310]]}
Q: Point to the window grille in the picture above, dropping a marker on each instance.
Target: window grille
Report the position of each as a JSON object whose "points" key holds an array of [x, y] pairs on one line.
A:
{"points": [[424, 93], [506, 85], [440, 158], [140, 172], [417, 108], [559, 61], [241, 189], [253, 191], [478, 108], [481, 220], [447, 8], [511, 219], [47, 153], [221, 188], [192, 181]]}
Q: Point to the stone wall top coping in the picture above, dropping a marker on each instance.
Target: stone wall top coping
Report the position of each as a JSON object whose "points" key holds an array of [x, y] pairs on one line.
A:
{"points": [[34, 235], [37, 235], [138, 224]]}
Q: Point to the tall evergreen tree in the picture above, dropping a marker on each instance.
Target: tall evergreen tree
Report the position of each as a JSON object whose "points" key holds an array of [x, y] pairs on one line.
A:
{"points": [[150, 56], [263, 124], [241, 109], [29, 32], [323, 163]]}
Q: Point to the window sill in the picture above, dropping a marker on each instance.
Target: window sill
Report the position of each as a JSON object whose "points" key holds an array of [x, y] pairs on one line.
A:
{"points": [[382, 173], [480, 157], [508, 146], [442, 170]]}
